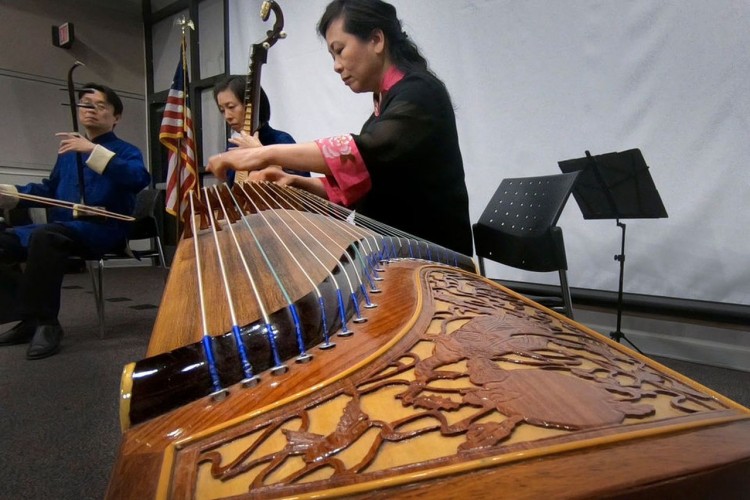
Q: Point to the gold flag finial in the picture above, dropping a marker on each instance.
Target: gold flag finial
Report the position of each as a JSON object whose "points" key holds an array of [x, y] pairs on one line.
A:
{"points": [[184, 23]]}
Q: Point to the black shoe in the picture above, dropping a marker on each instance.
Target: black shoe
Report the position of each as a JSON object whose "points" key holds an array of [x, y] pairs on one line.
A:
{"points": [[46, 341], [19, 334]]}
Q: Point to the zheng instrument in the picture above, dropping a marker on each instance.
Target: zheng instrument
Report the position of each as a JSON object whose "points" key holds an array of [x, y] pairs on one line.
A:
{"points": [[302, 350]]}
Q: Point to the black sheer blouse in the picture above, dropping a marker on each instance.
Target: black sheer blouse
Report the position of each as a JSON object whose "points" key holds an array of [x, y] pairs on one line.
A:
{"points": [[412, 154]]}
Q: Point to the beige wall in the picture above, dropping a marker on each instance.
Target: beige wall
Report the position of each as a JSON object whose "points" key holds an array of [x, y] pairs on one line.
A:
{"points": [[108, 40]]}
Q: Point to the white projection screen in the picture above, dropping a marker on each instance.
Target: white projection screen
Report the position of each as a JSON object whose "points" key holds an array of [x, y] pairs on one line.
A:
{"points": [[535, 82]]}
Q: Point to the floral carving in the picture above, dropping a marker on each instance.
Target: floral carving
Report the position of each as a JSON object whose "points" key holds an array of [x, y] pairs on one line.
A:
{"points": [[494, 365]]}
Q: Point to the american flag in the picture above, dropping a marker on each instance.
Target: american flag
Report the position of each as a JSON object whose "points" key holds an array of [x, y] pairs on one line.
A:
{"points": [[176, 134]]}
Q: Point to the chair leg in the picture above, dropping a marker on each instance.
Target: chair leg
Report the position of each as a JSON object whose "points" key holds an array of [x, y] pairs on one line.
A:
{"points": [[567, 300], [160, 249], [97, 277], [162, 259]]}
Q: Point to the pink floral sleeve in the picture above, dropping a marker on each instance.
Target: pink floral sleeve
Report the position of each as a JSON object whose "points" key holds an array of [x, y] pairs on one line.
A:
{"points": [[350, 179]]}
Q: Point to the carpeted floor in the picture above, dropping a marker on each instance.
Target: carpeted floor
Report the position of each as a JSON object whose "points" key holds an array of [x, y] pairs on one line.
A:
{"points": [[59, 420], [59, 417]]}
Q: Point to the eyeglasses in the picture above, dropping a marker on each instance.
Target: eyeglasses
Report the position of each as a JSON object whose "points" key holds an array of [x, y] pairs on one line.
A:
{"points": [[86, 104]]}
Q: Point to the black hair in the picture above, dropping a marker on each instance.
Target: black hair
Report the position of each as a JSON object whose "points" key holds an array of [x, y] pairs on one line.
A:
{"points": [[237, 84], [111, 95], [362, 17]]}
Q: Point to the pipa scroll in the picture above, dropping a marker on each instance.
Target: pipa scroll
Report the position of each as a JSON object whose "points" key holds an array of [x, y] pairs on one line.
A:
{"points": [[258, 57]]}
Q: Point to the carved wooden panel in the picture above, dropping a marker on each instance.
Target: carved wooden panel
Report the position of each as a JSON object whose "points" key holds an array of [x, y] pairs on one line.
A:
{"points": [[481, 379]]}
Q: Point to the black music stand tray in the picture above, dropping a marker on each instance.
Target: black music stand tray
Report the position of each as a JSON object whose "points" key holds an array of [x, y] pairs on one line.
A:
{"points": [[615, 186]]}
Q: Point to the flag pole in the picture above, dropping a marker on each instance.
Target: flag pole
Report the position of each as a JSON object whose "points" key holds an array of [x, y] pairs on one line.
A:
{"points": [[176, 134], [178, 206], [184, 24]]}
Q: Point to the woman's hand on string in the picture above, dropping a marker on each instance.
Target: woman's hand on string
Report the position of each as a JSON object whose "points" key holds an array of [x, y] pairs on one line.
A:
{"points": [[245, 140], [247, 159], [72, 141], [305, 156], [272, 174], [278, 176]]}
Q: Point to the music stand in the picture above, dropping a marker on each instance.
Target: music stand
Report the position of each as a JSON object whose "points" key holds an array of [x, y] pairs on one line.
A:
{"points": [[615, 186]]}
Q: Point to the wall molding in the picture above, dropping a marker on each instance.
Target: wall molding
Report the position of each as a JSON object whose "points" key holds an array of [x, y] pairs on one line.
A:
{"points": [[717, 344], [26, 170], [63, 84]]}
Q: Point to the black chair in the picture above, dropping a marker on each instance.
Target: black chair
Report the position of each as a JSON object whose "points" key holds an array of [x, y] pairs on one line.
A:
{"points": [[518, 229], [145, 227]]}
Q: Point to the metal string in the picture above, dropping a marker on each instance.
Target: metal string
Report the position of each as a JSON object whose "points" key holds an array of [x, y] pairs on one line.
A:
{"points": [[250, 378], [206, 339], [342, 310]]}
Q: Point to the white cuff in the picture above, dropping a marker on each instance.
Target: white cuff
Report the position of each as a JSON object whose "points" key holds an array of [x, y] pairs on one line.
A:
{"points": [[99, 158], [8, 196]]}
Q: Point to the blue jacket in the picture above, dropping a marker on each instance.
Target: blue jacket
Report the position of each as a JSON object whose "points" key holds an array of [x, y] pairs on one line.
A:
{"points": [[115, 189]]}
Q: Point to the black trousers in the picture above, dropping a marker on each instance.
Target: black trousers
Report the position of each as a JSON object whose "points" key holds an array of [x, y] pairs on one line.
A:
{"points": [[34, 293]]}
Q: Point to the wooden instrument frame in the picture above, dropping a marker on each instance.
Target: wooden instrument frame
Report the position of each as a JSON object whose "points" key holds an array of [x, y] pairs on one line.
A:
{"points": [[531, 403]]}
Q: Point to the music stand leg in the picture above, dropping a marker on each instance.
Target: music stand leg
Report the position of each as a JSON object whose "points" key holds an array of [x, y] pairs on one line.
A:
{"points": [[617, 335]]}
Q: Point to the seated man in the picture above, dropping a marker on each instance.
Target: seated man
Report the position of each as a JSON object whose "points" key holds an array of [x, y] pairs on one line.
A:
{"points": [[112, 174]]}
